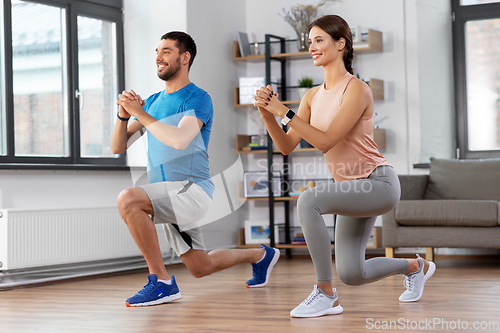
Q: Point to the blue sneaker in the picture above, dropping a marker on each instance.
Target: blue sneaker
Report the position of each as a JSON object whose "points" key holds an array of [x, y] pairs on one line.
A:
{"points": [[263, 268], [155, 293]]}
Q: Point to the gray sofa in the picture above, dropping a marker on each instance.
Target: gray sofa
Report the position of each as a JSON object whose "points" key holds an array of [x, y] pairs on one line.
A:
{"points": [[455, 206]]}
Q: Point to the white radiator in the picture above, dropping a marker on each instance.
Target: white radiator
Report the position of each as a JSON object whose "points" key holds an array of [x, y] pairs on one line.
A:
{"points": [[44, 237]]}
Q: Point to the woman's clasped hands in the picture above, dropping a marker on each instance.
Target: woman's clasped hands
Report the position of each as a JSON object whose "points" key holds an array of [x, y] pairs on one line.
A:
{"points": [[267, 100]]}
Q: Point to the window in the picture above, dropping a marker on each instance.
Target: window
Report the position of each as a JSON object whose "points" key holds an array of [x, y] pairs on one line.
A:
{"points": [[97, 85], [60, 80], [40, 122], [476, 32], [3, 129], [476, 2]]}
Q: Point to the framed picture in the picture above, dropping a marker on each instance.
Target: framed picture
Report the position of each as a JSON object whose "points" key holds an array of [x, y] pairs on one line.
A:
{"points": [[356, 34], [248, 86], [257, 232], [256, 184]]}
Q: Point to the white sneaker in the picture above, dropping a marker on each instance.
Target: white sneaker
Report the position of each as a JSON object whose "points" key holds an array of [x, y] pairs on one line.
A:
{"points": [[414, 282], [318, 304]]}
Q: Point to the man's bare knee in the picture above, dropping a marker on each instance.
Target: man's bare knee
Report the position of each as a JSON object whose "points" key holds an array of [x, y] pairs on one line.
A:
{"points": [[126, 197], [131, 199], [199, 272], [124, 200], [198, 263]]}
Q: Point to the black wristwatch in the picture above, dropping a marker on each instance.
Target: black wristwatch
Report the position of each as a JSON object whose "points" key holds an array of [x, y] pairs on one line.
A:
{"points": [[288, 117], [122, 119]]}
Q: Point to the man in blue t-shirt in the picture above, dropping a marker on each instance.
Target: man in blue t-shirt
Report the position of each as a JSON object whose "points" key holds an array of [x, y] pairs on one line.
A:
{"points": [[178, 121]]}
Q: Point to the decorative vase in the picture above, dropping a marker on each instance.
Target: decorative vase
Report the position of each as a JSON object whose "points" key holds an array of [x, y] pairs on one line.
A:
{"points": [[303, 41], [302, 91], [262, 137]]}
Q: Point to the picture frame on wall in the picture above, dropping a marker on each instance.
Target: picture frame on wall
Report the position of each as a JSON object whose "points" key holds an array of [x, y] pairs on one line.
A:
{"points": [[356, 34], [256, 184], [258, 232]]}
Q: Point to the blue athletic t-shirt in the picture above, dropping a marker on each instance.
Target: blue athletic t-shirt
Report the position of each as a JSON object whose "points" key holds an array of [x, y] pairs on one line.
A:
{"points": [[166, 163]]}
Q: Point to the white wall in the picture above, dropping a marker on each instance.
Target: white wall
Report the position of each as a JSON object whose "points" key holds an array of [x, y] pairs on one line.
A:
{"points": [[212, 24], [212, 71], [144, 24], [415, 64], [61, 188], [436, 79]]}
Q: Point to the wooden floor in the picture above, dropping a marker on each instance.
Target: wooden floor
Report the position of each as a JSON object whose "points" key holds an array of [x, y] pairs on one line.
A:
{"points": [[462, 289]]}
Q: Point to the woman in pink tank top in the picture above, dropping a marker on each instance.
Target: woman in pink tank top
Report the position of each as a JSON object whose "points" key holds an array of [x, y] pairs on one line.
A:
{"points": [[337, 118]]}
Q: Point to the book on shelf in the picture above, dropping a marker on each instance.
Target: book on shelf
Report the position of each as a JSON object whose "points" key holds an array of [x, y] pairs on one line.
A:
{"points": [[244, 44], [250, 148], [298, 239]]}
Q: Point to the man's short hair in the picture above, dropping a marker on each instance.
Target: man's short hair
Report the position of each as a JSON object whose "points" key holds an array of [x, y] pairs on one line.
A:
{"points": [[183, 42]]}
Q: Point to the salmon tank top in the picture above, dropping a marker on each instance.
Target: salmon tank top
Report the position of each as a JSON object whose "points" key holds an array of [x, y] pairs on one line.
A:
{"points": [[356, 155]]}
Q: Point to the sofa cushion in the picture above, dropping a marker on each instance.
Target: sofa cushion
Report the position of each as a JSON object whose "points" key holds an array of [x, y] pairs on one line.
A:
{"points": [[451, 213], [413, 186], [464, 179]]}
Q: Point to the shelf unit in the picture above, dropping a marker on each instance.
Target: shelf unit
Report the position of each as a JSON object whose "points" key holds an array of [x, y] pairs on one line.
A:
{"points": [[372, 44], [242, 245], [377, 241], [238, 105], [243, 141], [376, 86]]}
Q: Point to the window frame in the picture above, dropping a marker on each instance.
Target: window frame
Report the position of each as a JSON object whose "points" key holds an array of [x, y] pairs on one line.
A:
{"points": [[461, 15], [109, 10]]}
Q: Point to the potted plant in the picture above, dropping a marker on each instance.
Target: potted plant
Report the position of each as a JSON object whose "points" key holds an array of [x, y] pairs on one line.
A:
{"points": [[305, 83]]}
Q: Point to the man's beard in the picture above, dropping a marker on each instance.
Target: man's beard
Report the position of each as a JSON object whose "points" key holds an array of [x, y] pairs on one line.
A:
{"points": [[171, 71]]}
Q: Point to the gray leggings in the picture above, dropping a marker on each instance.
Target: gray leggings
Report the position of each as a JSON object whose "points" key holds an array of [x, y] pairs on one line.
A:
{"points": [[357, 204]]}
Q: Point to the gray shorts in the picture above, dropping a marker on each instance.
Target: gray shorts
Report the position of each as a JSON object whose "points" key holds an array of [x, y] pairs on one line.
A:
{"points": [[179, 206]]}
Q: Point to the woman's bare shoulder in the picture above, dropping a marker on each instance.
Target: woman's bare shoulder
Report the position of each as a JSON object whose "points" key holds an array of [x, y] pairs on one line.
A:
{"points": [[359, 87], [311, 93]]}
